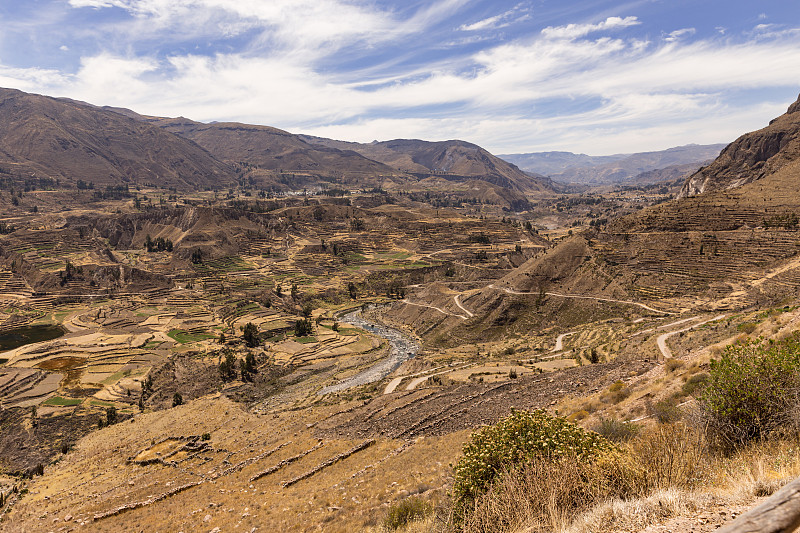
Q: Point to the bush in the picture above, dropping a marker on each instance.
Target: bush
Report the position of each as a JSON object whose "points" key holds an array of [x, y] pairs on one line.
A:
{"points": [[673, 364], [752, 391], [617, 392], [177, 399], [406, 511], [694, 383], [513, 441], [665, 412], [672, 455], [616, 430]]}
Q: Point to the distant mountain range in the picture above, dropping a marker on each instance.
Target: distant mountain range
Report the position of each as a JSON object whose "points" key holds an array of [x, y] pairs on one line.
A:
{"points": [[70, 140], [445, 158], [566, 167]]}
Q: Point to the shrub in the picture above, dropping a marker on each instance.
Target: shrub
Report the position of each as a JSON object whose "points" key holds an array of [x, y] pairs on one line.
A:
{"points": [[673, 364], [673, 455], [547, 492], [752, 390], [665, 412], [617, 392], [616, 430], [694, 383], [747, 327], [406, 511], [177, 399], [514, 440], [578, 415]]}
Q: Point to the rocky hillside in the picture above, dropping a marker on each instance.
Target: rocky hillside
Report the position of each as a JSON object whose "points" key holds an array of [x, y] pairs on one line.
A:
{"points": [[751, 157], [453, 159], [69, 141], [269, 148]]}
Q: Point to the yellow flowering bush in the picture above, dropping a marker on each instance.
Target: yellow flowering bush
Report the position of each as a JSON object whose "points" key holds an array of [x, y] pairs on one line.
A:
{"points": [[514, 441]]}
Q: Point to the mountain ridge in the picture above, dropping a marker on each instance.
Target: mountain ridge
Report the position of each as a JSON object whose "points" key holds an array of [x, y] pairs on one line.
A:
{"points": [[567, 167], [751, 157], [69, 140]]}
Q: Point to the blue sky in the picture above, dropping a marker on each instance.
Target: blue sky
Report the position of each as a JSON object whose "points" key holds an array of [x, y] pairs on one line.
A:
{"points": [[592, 76]]}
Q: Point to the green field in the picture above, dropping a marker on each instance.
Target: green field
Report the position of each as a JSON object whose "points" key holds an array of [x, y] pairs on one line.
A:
{"points": [[184, 337], [58, 400]]}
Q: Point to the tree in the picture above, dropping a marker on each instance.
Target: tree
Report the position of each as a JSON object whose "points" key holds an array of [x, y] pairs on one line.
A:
{"points": [[295, 291], [247, 367], [227, 368], [197, 256], [177, 399], [250, 335], [307, 309], [351, 288], [303, 328]]}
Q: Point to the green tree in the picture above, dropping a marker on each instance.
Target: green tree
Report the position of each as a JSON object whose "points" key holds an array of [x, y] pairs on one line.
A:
{"points": [[250, 335], [177, 399], [303, 328], [227, 366]]}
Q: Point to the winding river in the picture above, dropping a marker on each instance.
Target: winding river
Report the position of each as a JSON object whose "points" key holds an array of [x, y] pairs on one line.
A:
{"points": [[402, 348]]}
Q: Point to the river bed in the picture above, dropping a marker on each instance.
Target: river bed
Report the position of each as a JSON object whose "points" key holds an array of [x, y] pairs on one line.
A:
{"points": [[401, 349]]}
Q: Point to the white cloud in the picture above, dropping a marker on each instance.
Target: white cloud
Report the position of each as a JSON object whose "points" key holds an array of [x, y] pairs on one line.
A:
{"points": [[518, 13], [310, 29], [677, 34], [574, 31], [519, 96]]}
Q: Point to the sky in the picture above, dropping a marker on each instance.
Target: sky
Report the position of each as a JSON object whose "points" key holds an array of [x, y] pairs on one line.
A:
{"points": [[586, 76]]}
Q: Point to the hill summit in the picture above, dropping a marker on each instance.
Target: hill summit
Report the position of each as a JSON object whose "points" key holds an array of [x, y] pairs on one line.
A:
{"points": [[751, 157]]}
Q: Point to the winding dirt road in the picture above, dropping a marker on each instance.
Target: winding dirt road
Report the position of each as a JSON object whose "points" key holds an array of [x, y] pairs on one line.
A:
{"points": [[462, 317], [458, 303], [560, 341], [662, 339], [596, 298]]}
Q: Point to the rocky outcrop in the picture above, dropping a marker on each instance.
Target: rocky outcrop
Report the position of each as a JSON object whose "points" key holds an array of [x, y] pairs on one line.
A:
{"points": [[750, 157]]}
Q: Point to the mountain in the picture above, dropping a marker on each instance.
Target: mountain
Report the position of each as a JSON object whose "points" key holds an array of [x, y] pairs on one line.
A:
{"points": [[67, 140], [580, 168], [269, 148], [751, 157], [455, 160], [549, 163]]}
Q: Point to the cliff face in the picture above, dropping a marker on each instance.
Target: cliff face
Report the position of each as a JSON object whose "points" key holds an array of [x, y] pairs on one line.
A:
{"points": [[750, 157]]}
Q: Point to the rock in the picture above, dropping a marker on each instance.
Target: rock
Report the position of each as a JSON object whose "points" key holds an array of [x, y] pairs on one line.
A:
{"points": [[207, 518], [68, 518]]}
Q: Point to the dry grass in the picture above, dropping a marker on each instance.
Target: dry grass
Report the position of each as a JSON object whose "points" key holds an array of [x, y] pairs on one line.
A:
{"points": [[664, 472]]}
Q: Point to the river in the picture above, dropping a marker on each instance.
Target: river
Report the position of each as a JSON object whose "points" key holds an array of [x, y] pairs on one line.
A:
{"points": [[401, 349]]}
